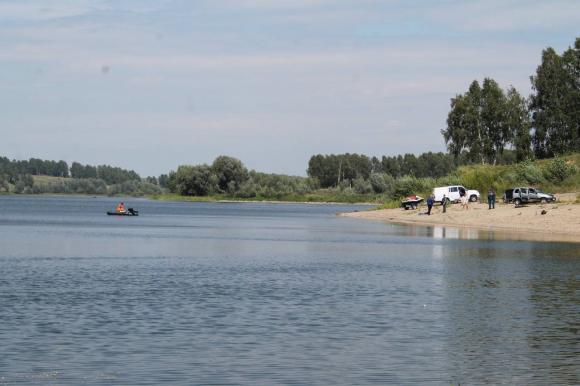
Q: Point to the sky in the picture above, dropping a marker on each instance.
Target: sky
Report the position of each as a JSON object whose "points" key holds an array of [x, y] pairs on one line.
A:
{"points": [[152, 84]]}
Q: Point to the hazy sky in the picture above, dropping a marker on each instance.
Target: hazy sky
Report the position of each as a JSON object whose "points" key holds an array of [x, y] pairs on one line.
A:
{"points": [[152, 84]]}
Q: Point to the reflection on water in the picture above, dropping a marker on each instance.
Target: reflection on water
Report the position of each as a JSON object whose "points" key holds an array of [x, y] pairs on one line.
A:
{"points": [[472, 233], [276, 294], [459, 233]]}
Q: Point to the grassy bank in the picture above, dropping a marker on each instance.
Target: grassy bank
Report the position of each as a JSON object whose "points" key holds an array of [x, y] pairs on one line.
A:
{"points": [[556, 175], [320, 196]]}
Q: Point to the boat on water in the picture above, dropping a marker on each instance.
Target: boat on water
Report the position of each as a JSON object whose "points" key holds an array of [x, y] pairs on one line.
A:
{"points": [[128, 212]]}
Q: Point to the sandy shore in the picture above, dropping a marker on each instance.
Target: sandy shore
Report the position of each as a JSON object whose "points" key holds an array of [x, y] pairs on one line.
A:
{"points": [[561, 221]]}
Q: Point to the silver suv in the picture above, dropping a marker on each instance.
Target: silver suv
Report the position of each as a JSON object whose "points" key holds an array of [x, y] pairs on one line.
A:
{"points": [[529, 195]]}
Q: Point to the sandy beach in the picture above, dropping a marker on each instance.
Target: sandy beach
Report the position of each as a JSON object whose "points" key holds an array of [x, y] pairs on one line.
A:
{"points": [[561, 221]]}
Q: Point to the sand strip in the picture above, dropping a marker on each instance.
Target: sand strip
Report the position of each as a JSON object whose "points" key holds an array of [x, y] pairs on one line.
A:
{"points": [[560, 221]]}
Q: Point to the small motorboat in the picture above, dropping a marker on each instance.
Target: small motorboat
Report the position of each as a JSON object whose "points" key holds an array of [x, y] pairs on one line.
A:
{"points": [[411, 202], [128, 212]]}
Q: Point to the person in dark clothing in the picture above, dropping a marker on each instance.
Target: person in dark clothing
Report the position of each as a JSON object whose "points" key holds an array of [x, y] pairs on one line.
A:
{"points": [[430, 201], [491, 199], [444, 204]]}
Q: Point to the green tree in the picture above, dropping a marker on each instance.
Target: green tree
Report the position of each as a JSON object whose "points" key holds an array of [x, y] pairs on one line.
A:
{"points": [[555, 103], [457, 131], [485, 121], [331, 169], [391, 166], [196, 180], [230, 173], [152, 180], [326, 169], [163, 180], [518, 124], [76, 170], [495, 132]]}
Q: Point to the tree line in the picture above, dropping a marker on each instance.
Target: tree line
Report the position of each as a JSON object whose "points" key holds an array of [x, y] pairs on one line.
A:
{"points": [[17, 176], [33, 166], [485, 120], [334, 170], [109, 174], [229, 176]]}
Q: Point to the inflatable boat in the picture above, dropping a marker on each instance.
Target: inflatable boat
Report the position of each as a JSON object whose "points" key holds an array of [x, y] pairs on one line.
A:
{"points": [[128, 212]]}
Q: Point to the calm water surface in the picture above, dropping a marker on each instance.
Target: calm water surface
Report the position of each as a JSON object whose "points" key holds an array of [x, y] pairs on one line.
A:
{"points": [[263, 294]]}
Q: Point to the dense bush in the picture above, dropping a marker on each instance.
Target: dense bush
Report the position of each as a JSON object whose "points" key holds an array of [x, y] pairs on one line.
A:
{"points": [[134, 188], [382, 182], [23, 183], [248, 189], [72, 186], [558, 170], [4, 185], [480, 177], [527, 172], [196, 180], [362, 186], [407, 185], [89, 186]]}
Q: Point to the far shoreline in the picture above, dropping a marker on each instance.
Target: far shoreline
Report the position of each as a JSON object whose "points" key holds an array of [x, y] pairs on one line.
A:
{"points": [[186, 199]]}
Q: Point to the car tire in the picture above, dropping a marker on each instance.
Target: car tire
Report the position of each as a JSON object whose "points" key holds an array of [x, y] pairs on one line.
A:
{"points": [[543, 200], [518, 202], [473, 198]]}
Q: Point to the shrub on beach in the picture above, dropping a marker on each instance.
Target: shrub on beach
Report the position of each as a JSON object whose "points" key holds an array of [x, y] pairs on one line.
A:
{"points": [[407, 185], [480, 177], [558, 170], [527, 172]]}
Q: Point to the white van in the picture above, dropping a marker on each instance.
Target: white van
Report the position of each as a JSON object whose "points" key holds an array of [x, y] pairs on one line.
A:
{"points": [[453, 193]]}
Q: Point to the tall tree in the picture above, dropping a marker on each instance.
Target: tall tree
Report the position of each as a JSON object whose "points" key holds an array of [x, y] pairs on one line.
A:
{"points": [[495, 133], [231, 173], [518, 124], [464, 131], [555, 103], [484, 121]]}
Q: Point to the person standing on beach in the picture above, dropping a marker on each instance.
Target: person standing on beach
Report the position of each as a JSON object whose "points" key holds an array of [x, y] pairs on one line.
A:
{"points": [[491, 199], [444, 204], [430, 201], [464, 201]]}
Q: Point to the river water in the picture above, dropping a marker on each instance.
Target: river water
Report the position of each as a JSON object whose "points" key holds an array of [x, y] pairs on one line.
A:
{"points": [[275, 294]]}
